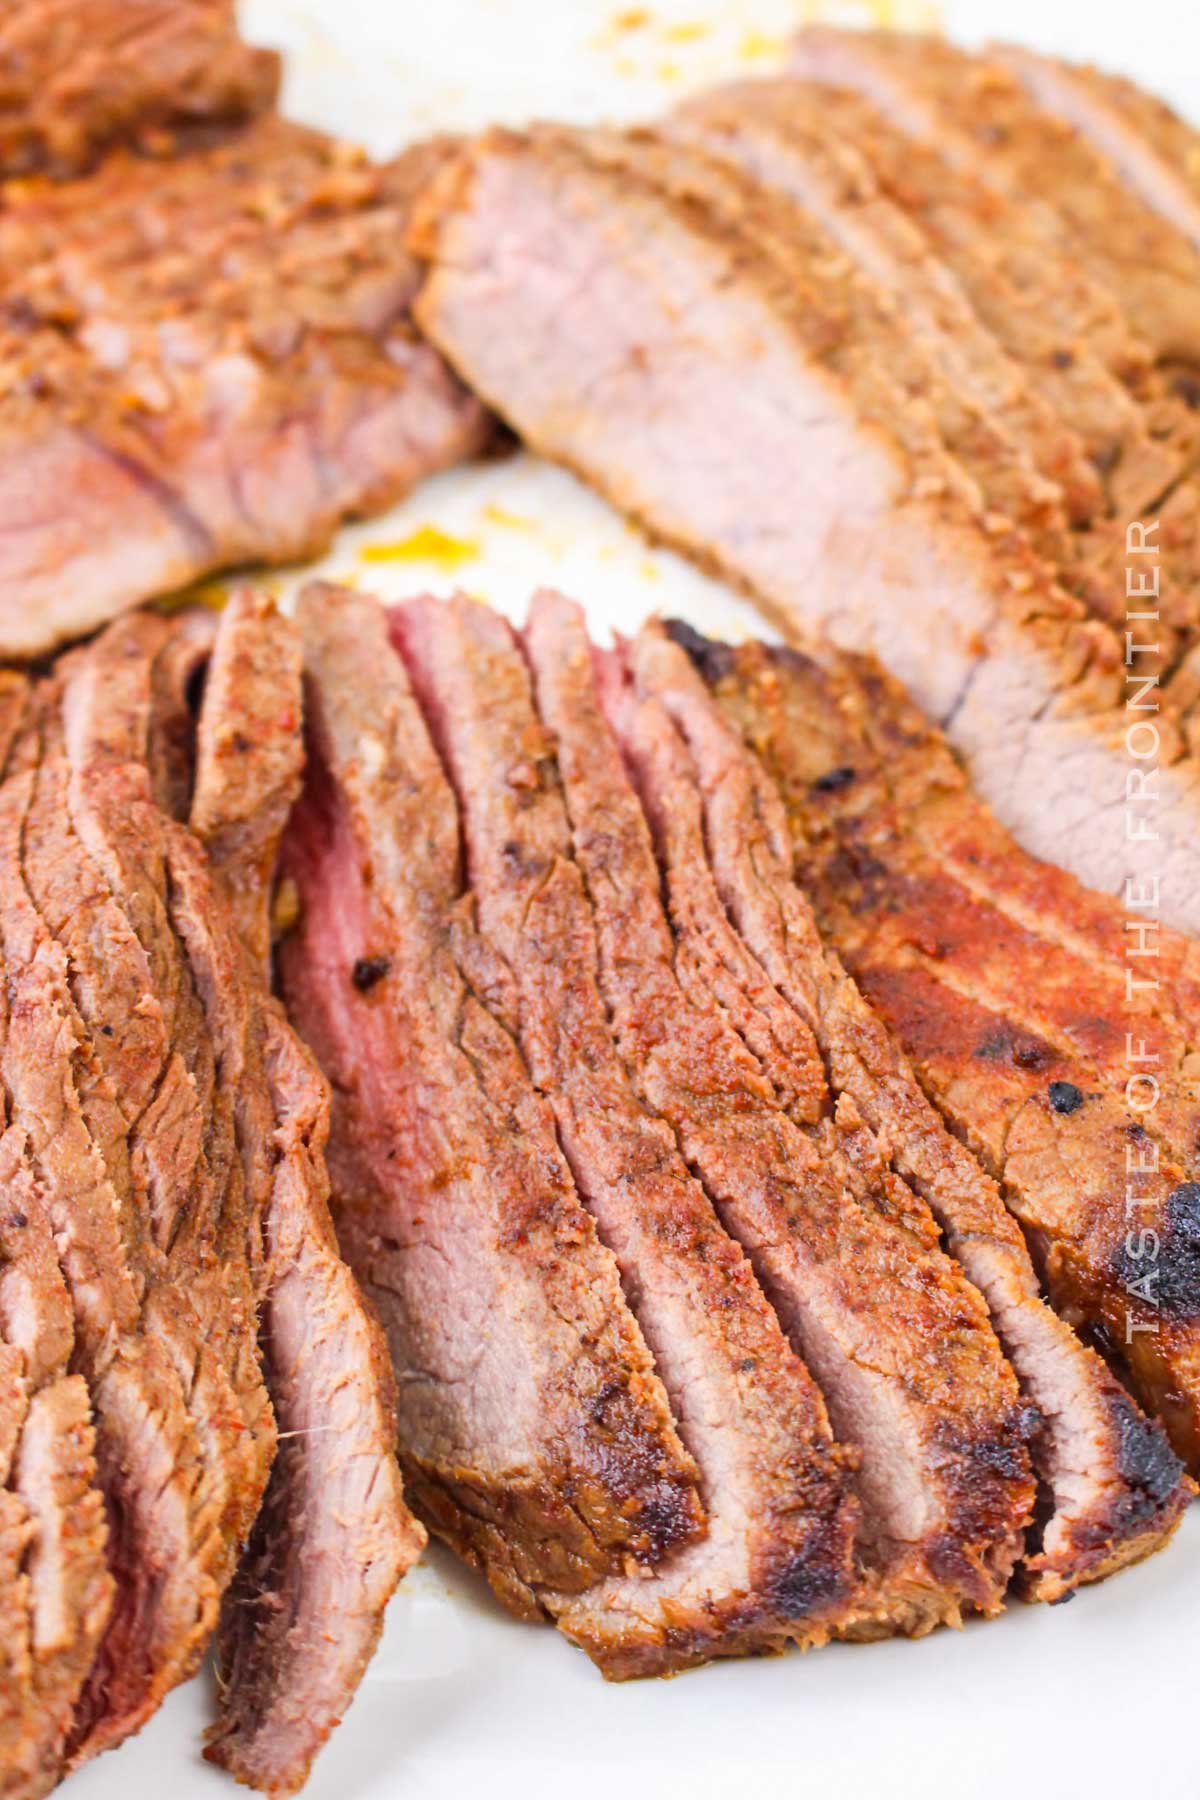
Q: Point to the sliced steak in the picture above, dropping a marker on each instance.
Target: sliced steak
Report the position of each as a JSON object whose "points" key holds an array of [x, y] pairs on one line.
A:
{"points": [[976, 112], [1111, 1490], [535, 1434], [939, 267], [75, 75], [897, 1339], [1155, 153], [541, 291], [777, 1562], [198, 422], [334, 1536], [1083, 1172]]}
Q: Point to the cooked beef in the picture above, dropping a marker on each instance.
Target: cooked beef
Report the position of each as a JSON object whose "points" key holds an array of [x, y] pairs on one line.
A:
{"points": [[334, 1536], [897, 1339], [931, 237], [535, 1434], [916, 887], [776, 1564], [211, 359], [77, 74], [1155, 153], [56, 1590], [1102, 1506], [696, 387], [976, 112]]}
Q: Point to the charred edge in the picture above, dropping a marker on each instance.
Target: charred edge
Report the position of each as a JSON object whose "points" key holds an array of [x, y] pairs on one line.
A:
{"points": [[714, 660], [1170, 1281]]}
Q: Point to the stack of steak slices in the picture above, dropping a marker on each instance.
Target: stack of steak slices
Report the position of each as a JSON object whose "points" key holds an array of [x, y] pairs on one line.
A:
{"points": [[942, 403], [1066, 1063], [536, 932], [164, 1178], [205, 342]]}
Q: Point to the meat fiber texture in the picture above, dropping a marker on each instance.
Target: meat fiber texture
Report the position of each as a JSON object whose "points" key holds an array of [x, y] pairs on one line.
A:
{"points": [[206, 359], [171, 1298], [971, 395], [739, 1129], [77, 74]]}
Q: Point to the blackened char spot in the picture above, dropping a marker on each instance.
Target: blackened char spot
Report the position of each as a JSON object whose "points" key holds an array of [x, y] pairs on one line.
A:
{"points": [[1065, 1097], [1178, 1268], [713, 659], [1144, 1456], [811, 1581], [834, 780], [368, 970]]}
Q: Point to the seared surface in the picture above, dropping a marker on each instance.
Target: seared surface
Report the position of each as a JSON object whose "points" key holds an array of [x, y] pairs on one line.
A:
{"points": [[916, 912], [776, 1563], [77, 74], [334, 1536], [211, 358], [1111, 1490], [620, 362], [534, 1431], [897, 1339]]}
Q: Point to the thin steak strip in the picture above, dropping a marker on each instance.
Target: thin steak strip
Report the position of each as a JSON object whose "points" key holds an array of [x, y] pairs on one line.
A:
{"points": [[777, 1563], [56, 1590], [334, 1536], [534, 1432], [1112, 1492], [1077, 1167], [897, 1339]]}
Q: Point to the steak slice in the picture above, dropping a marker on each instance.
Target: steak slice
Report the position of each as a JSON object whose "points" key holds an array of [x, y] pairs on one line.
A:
{"points": [[1083, 1172], [897, 1339], [56, 1591], [777, 1562], [334, 1536], [76, 75], [535, 1434], [542, 291], [1112, 1492], [198, 422], [939, 268], [1155, 153], [976, 112]]}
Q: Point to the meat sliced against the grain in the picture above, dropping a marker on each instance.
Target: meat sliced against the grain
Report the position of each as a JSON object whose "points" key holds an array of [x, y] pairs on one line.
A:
{"points": [[1082, 1171], [1112, 1491], [620, 359], [832, 152], [534, 1432], [164, 1540], [976, 112], [334, 1536], [1155, 153], [56, 1586], [898, 1340], [76, 75], [196, 423], [776, 1565], [767, 130]]}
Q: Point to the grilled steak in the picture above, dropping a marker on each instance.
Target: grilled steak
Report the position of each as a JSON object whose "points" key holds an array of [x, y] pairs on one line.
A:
{"points": [[932, 237], [212, 357], [1111, 1490], [535, 1434], [1150, 147], [944, 1474], [882, 541], [334, 1537], [776, 1563], [77, 74], [977, 113], [956, 936]]}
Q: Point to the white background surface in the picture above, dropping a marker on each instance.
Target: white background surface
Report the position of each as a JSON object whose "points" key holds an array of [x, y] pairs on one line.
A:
{"points": [[1098, 1699]]}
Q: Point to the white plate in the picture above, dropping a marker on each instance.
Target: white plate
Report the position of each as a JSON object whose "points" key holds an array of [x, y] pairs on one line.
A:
{"points": [[1096, 1699]]}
